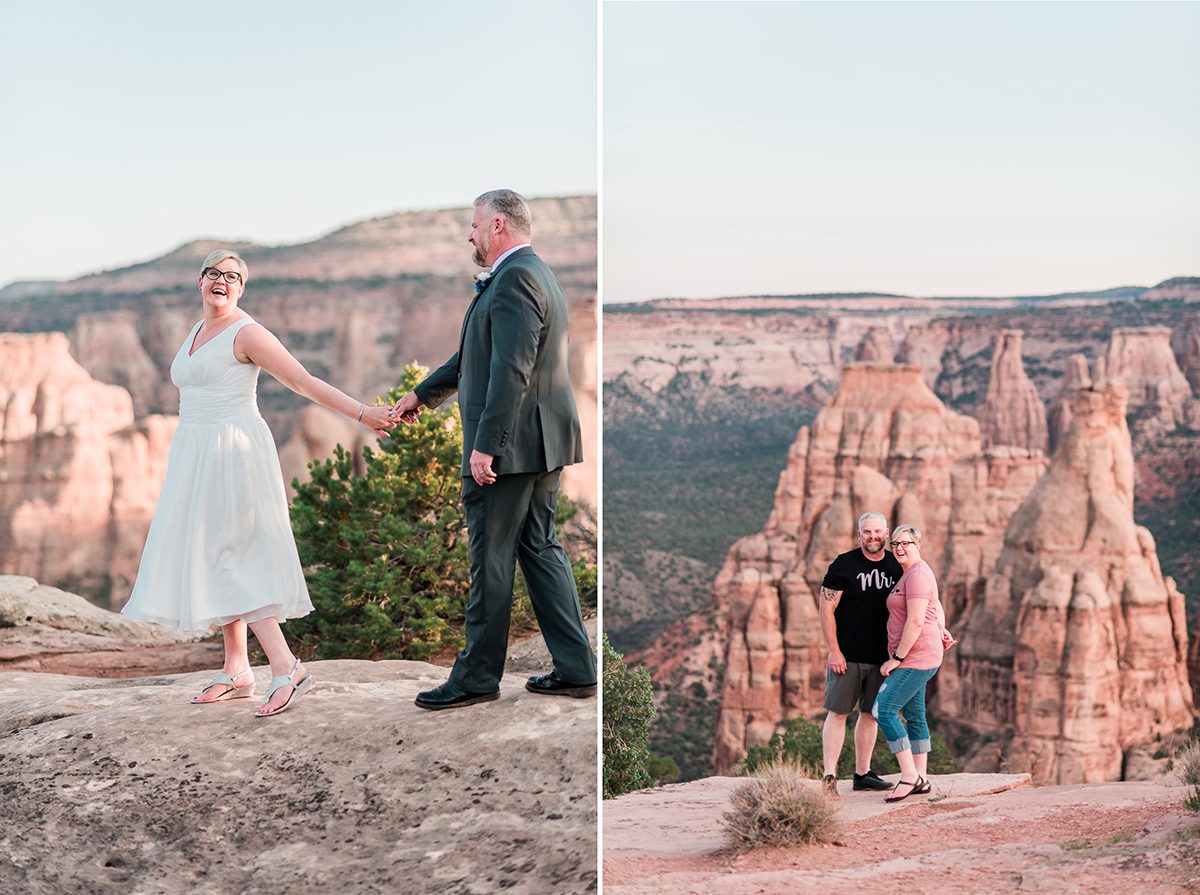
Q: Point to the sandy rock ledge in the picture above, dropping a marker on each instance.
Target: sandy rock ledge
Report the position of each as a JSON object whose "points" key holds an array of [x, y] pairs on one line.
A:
{"points": [[123, 786]]}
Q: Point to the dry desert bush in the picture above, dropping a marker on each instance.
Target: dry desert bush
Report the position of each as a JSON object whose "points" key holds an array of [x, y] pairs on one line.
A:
{"points": [[1188, 763], [779, 805]]}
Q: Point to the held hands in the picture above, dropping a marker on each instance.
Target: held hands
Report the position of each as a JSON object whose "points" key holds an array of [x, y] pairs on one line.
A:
{"points": [[407, 409], [889, 666], [837, 661], [481, 468], [378, 420]]}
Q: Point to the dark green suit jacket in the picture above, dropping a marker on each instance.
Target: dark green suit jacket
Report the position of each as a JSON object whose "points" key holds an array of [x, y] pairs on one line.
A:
{"points": [[511, 372]]}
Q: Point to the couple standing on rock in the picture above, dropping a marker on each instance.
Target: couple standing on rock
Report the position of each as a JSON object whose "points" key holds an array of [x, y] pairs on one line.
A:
{"points": [[886, 631], [220, 550]]}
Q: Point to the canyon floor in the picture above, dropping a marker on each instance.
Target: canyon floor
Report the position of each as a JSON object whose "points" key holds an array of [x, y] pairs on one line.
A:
{"points": [[984, 833]]}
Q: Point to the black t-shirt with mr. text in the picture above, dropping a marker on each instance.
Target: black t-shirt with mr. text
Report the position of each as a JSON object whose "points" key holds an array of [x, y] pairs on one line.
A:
{"points": [[862, 614]]}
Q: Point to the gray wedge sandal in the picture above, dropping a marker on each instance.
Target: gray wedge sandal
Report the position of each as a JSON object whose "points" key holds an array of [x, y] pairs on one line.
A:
{"points": [[221, 679], [285, 680]]}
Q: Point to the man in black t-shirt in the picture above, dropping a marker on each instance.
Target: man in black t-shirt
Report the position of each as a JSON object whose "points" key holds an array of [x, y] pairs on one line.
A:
{"points": [[854, 615]]}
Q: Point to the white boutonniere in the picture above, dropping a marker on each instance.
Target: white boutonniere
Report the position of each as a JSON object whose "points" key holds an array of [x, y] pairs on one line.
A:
{"points": [[481, 280]]}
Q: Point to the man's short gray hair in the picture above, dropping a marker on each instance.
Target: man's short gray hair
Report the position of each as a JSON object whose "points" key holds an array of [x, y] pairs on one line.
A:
{"points": [[511, 205], [866, 517]]}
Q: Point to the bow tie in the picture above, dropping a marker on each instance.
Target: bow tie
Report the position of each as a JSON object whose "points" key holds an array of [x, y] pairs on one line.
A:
{"points": [[481, 280]]}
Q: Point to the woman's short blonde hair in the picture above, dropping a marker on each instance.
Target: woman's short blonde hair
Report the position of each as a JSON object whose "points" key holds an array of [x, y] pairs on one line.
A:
{"points": [[216, 256], [911, 529]]}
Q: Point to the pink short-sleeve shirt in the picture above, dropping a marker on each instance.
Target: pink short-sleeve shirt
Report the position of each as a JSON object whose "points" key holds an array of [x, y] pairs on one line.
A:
{"points": [[918, 581]]}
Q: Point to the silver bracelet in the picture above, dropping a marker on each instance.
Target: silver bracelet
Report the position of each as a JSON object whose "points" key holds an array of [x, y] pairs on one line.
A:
{"points": [[362, 408]]}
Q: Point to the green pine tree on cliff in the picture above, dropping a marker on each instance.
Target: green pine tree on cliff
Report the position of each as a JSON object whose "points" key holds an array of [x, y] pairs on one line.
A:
{"points": [[384, 549], [385, 552]]}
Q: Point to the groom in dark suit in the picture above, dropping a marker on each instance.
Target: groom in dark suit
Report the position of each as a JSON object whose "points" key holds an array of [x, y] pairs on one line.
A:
{"points": [[520, 428]]}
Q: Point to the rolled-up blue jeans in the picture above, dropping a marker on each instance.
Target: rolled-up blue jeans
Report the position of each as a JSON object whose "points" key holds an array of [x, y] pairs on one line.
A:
{"points": [[904, 691]]}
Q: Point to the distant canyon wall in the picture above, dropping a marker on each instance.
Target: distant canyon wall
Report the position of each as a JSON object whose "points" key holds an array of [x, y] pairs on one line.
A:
{"points": [[77, 491], [354, 307], [79, 476], [1074, 644]]}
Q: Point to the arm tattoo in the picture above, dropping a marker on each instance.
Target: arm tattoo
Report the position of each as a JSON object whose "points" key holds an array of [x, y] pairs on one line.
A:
{"points": [[830, 595]]}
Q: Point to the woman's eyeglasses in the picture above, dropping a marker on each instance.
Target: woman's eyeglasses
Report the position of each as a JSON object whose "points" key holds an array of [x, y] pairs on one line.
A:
{"points": [[230, 276], [904, 544]]}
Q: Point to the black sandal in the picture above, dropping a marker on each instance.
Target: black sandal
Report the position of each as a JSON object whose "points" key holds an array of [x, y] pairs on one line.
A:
{"points": [[915, 786]]}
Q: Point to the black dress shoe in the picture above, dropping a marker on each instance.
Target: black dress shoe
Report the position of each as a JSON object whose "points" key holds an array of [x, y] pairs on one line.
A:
{"points": [[449, 697], [552, 685], [870, 780]]}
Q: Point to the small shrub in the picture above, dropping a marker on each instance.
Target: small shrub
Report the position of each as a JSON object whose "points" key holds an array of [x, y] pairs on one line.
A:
{"points": [[1189, 771], [628, 708], [1192, 801], [1189, 764], [662, 769], [779, 805]]}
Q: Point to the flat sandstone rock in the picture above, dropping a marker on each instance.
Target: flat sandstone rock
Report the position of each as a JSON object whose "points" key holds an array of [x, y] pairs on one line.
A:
{"points": [[982, 833], [46, 629], [686, 818], [123, 786]]}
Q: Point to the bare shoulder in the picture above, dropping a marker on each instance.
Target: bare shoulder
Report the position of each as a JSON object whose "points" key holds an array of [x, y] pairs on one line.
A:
{"points": [[251, 338]]}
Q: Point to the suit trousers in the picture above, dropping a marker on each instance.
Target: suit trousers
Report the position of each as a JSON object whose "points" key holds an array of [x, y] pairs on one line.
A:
{"points": [[510, 521]]}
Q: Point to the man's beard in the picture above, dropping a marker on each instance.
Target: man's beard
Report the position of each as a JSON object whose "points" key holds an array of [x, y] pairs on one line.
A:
{"points": [[480, 256], [873, 546]]}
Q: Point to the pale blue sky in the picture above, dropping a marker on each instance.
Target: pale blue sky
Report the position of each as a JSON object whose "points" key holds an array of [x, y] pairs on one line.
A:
{"points": [[131, 127], [936, 149]]}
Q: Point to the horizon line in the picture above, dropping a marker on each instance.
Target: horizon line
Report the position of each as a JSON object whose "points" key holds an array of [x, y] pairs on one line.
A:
{"points": [[264, 245]]}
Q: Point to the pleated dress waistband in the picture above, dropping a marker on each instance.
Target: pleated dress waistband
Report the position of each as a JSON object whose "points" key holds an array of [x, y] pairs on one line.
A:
{"points": [[209, 406]]}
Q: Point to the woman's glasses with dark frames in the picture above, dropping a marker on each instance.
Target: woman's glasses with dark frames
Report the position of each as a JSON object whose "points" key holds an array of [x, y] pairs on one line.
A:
{"points": [[230, 276]]}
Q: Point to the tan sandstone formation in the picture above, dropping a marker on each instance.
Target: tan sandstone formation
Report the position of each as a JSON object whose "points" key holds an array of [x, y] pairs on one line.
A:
{"points": [[134, 351], [354, 306], [876, 346], [1077, 650], [45, 629], [1141, 358], [1058, 417], [1194, 664], [885, 443], [78, 477], [1186, 344], [317, 432], [1012, 413]]}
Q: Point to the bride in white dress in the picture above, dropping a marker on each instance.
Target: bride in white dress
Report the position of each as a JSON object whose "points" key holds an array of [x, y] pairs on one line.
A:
{"points": [[220, 550]]}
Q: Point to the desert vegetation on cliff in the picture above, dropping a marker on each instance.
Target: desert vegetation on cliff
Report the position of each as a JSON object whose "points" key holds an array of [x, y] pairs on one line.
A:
{"points": [[628, 708], [779, 805]]}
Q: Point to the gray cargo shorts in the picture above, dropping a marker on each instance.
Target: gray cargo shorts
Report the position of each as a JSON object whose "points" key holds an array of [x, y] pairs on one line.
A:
{"points": [[856, 688]]}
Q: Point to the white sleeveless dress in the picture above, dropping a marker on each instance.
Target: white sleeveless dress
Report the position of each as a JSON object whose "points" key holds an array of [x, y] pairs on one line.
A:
{"points": [[220, 545]]}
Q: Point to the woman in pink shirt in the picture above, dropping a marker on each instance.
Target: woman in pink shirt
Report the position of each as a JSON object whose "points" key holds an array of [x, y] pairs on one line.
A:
{"points": [[917, 637]]}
